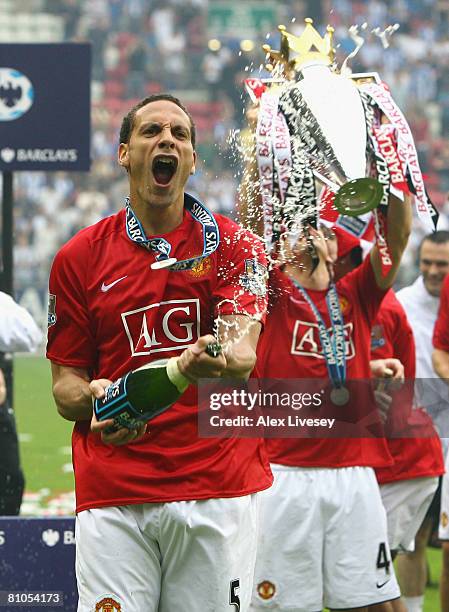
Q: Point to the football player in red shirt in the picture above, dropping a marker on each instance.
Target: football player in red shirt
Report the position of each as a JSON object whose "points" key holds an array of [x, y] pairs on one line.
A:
{"points": [[440, 355], [323, 531], [165, 520], [408, 486], [440, 359], [414, 458]]}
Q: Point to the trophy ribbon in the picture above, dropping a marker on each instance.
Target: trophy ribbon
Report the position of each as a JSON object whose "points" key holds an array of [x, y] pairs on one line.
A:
{"points": [[407, 151], [265, 163], [380, 168], [255, 88], [282, 154], [300, 207], [386, 136], [274, 163]]}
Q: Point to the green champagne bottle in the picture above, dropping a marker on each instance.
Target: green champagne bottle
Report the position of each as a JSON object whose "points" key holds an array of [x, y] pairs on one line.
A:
{"points": [[143, 394]]}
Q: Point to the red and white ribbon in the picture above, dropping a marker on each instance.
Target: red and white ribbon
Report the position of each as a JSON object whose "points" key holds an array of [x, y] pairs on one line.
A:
{"points": [[274, 163], [406, 149], [265, 163], [386, 137]]}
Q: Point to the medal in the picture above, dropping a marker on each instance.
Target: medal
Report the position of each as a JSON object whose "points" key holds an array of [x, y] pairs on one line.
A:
{"points": [[358, 196], [339, 396], [163, 263]]}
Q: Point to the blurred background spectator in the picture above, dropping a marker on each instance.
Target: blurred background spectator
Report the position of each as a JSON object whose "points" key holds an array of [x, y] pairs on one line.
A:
{"points": [[203, 49]]}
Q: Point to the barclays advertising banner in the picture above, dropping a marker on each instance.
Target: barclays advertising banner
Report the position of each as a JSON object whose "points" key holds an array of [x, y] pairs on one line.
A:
{"points": [[45, 106], [37, 564]]}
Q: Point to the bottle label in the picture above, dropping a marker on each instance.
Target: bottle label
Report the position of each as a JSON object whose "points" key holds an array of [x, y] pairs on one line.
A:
{"points": [[115, 405]]}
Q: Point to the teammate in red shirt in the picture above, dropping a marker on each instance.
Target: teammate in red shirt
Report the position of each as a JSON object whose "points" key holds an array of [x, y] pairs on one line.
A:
{"points": [[408, 485], [323, 539], [440, 359], [419, 457], [441, 334], [143, 537], [414, 458]]}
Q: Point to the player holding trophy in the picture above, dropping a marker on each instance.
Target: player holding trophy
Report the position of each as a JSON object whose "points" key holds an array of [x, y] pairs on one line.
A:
{"points": [[323, 538]]}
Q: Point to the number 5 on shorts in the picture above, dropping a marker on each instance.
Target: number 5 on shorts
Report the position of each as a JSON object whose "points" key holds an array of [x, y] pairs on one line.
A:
{"points": [[234, 599]]}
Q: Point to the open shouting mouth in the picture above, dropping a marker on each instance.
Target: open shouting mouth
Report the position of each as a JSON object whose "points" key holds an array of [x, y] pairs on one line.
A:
{"points": [[164, 168]]}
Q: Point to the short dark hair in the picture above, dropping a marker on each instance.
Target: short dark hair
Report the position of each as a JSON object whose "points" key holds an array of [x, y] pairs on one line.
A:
{"points": [[438, 237], [128, 120]]}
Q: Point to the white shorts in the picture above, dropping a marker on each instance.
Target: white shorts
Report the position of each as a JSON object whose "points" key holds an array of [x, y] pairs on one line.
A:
{"points": [[406, 503], [178, 556], [443, 528], [322, 541]]}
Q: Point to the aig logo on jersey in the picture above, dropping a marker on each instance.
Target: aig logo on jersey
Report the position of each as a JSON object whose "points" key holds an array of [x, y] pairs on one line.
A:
{"points": [[163, 326], [306, 340]]}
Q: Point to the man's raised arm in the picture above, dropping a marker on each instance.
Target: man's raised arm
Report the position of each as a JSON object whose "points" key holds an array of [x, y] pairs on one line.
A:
{"points": [[399, 225]]}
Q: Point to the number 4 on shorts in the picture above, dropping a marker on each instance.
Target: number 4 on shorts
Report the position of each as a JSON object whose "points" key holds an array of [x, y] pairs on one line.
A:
{"points": [[383, 562], [234, 599]]}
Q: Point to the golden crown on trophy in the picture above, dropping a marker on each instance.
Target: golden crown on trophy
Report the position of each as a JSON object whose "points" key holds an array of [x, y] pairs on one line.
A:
{"points": [[298, 50]]}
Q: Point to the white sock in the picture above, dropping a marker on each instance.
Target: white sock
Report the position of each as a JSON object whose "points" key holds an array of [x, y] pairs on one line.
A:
{"points": [[414, 604]]}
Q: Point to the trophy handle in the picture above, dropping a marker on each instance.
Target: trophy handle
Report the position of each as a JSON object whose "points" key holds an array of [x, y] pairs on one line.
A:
{"points": [[358, 196]]}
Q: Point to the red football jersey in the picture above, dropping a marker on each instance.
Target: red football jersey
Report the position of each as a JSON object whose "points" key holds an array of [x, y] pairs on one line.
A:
{"points": [[290, 347], [417, 457], [111, 313], [441, 330]]}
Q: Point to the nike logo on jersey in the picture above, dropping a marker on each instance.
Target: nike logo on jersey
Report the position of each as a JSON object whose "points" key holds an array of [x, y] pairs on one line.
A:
{"points": [[379, 586], [105, 287]]}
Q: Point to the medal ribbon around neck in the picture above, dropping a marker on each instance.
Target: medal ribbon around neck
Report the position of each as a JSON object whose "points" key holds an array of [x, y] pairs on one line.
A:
{"points": [[161, 246], [334, 347]]}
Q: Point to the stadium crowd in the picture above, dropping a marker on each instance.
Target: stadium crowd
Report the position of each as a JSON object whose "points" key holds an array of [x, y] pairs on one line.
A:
{"points": [[142, 47]]}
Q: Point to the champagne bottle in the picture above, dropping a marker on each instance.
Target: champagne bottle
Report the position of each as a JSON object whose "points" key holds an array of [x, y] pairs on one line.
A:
{"points": [[144, 393]]}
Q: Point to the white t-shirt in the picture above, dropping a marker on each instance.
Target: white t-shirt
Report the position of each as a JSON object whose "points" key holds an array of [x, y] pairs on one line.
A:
{"points": [[18, 330], [431, 392], [422, 310]]}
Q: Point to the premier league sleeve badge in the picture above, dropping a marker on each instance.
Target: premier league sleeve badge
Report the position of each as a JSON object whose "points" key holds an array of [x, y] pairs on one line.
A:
{"points": [[255, 277], [51, 309]]}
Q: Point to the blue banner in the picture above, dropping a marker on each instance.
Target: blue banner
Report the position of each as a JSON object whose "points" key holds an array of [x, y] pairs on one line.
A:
{"points": [[45, 106], [37, 564]]}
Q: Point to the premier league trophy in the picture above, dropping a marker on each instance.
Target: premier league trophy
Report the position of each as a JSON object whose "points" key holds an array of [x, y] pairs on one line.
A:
{"points": [[324, 135]]}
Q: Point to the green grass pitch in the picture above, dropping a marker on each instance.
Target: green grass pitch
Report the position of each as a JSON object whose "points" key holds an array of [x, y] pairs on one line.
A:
{"points": [[46, 438]]}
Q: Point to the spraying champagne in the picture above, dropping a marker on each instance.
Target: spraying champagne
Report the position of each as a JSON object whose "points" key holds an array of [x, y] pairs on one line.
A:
{"points": [[144, 393]]}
